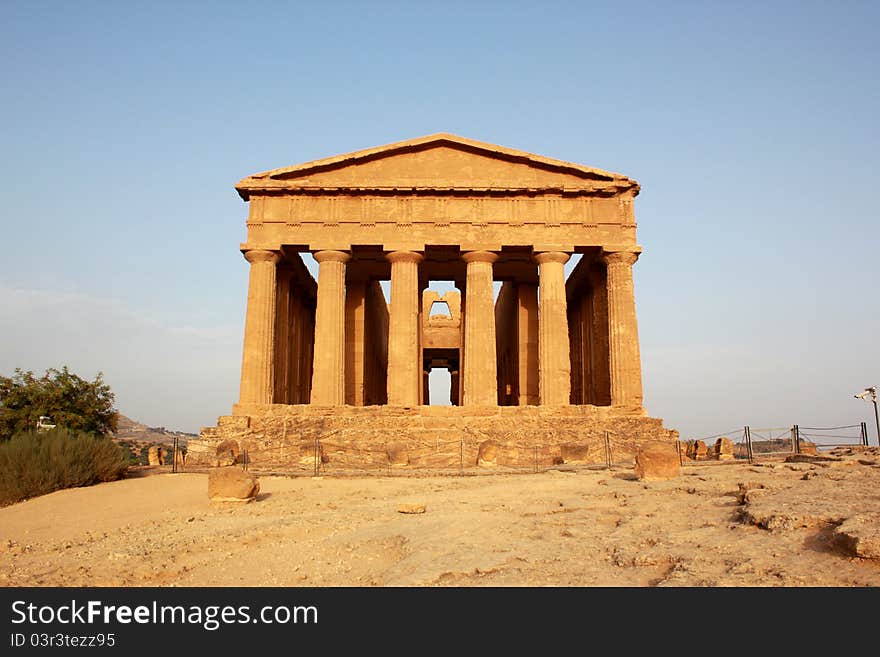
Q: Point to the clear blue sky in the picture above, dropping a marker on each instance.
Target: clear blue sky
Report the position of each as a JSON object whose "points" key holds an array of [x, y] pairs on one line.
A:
{"points": [[751, 126]]}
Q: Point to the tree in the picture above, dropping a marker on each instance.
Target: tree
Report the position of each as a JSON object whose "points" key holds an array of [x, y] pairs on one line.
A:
{"points": [[71, 402]]}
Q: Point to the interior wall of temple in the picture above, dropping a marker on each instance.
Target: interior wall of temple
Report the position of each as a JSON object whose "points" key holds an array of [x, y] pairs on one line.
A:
{"points": [[527, 343], [294, 332], [506, 344], [516, 339], [588, 337], [376, 350]]}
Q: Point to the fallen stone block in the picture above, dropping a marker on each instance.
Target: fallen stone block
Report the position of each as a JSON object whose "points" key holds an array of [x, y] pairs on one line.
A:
{"points": [[657, 462], [231, 484]]}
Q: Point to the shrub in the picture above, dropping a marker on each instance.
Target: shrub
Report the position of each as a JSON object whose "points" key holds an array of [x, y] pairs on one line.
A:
{"points": [[67, 398], [36, 463]]}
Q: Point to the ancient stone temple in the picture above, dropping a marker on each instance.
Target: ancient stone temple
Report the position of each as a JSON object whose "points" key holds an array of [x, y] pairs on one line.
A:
{"points": [[541, 361]]}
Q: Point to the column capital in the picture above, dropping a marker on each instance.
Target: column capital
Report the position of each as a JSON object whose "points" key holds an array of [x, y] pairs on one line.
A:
{"points": [[615, 257], [551, 256], [261, 255], [479, 256], [404, 256], [332, 256]]}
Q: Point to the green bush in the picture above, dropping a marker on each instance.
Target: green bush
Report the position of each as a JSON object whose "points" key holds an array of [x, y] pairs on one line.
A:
{"points": [[36, 463]]}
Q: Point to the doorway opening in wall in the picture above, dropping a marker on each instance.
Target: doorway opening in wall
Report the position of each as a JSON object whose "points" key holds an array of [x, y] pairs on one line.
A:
{"points": [[441, 343], [439, 387], [440, 309]]}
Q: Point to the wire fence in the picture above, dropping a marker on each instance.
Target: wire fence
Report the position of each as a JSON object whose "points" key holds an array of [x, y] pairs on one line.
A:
{"points": [[844, 436], [752, 443]]}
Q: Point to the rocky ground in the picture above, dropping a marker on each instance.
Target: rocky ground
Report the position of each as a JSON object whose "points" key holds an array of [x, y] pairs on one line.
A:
{"points": [[814, 522]]}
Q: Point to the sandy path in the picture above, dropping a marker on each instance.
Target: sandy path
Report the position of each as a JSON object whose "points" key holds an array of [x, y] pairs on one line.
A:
{"points": [[556, 528]]}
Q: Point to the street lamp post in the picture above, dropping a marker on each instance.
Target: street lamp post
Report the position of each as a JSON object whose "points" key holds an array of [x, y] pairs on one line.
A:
{"points": [[870, 394]]}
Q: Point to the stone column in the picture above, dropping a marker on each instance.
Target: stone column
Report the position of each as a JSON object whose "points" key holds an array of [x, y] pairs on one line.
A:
{"points": [[623, 331], [404, 360], [294, 361], [355, 346], [599, 361], [574, 345], [328, 372], [282, 334], [480, 375], [554, 359], [586, 349], [527, 347], [308, 353], [258, 354], [420, 322]]}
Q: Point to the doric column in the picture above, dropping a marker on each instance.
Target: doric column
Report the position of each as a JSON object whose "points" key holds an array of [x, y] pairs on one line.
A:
{"points": [[328, 372], [307, 361], [554, 360], [575, 340], [480, 376], [282, 334], [294, 360], [586, 349], [599, 361], [355, 343], [258, 354], [527, 347], [623, 331], [453, 387], [404, 361]]}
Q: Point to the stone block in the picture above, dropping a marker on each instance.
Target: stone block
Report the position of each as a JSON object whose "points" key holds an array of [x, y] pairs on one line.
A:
{"points": [[231, 484], [697, 450], [487, 454], [657, 462], [234, 421], [722, 450], [397, 454], [155, 455], [860, 535], [226, 453], [808, 448], [576, 453]]}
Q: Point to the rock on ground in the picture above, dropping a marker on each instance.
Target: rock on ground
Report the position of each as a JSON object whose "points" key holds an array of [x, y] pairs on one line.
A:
{"points": [[581, 527], [657, 462], [860, 534], [232, 484]]}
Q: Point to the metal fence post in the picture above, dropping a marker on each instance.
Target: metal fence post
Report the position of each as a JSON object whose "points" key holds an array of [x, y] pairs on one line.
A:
{"points": [[747, 432], [864, 434], [797, 439], [678, 449]]}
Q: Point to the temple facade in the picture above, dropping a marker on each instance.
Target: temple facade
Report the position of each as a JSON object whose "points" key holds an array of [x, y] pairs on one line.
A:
{"points": [[439, 208]]}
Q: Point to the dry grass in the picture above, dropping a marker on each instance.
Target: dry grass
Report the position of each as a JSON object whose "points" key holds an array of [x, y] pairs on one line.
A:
{"points": [[33, 464]]}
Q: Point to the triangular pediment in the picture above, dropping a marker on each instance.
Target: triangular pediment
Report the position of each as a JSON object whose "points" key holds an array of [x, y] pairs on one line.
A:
{"points": [[440, 161]]}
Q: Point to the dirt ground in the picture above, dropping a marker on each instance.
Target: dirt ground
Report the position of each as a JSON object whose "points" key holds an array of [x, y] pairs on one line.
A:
{"points": [[720, 524]]}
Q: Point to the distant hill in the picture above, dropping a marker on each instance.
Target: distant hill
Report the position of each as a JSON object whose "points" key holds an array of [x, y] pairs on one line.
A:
{"points": [[131, 430]]}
